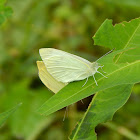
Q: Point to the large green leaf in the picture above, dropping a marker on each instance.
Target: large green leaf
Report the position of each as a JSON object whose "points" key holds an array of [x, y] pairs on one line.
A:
{"points": [[120, 36], [127, 56], [101, 109], [118, 74], [5, 115]]}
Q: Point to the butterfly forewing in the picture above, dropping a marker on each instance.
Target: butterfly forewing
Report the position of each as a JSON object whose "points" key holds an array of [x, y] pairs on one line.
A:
{"points": [[63, 66]]}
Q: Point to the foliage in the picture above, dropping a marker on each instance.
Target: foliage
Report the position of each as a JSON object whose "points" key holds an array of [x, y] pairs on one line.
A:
{"points": [[123, 73], [106, 106]]}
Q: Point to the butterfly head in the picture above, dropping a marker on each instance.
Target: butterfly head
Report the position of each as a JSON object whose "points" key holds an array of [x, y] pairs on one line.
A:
{"points": [[95, 67]]}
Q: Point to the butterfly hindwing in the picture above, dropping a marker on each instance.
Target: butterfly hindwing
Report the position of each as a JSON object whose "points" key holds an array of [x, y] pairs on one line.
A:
{"points": [[47, 79]]}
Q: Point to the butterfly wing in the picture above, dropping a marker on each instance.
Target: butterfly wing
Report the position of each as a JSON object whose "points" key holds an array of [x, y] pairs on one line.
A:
{"points": [[47, 79], [64, 66]]}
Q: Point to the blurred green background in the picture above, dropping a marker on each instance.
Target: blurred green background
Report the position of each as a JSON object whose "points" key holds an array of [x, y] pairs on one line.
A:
{"points": [[67, 25]]}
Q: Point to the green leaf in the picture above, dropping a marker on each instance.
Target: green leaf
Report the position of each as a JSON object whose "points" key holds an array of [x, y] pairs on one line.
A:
{"points": [[101, 109], [5, 115], [118, 74], [120, 36], [106, 102], [5, 12]]}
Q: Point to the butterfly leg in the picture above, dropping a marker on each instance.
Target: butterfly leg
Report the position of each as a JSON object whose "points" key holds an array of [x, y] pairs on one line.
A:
{"points": [[101, 74], [82, 102], [65, 113], [95, 80], [102, 69], [85, 82]]}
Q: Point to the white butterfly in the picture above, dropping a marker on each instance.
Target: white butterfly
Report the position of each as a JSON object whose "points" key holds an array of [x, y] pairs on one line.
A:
{"points": [[66, 67]]}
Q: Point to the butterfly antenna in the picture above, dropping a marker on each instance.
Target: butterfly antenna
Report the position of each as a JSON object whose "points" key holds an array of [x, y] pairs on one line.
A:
{"points": [[106, 54]]}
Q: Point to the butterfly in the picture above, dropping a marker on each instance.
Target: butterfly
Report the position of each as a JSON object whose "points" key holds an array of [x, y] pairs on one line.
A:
{"points": [[66, 67]]}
